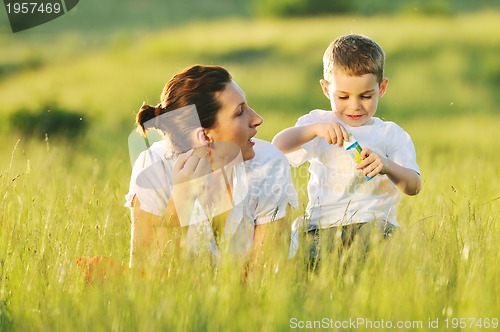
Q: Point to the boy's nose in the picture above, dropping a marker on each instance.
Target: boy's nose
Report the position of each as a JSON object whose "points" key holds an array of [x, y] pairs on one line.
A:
{"points": [[355, 104]]}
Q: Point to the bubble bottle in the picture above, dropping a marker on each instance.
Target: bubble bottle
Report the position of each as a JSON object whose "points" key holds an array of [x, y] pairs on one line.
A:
{"points": [[353, 147]]}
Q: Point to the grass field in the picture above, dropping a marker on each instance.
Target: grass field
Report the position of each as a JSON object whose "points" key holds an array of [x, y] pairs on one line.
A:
{"points": [[61, 199]]}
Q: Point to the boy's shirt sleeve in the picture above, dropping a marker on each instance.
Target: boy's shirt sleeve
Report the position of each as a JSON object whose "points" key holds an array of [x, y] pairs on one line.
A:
{"points": [[402, 151]]}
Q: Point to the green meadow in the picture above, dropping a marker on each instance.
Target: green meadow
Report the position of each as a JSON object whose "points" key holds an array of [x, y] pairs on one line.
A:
{"points": [[62, 196]]}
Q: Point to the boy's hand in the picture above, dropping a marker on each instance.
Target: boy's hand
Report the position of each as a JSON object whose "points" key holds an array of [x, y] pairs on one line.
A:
{"points": [[406, 180], [332, 132], [372, 163]]}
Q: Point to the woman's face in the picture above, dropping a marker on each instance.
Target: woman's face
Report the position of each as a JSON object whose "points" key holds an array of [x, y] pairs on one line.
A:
{"points": [[236, 122]]}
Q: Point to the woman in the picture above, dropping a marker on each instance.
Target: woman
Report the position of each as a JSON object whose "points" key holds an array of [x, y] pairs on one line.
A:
{"points": [[209, 173]]}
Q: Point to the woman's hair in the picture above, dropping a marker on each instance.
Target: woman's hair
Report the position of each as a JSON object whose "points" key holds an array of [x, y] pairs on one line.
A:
{"points": [[194, 88]]}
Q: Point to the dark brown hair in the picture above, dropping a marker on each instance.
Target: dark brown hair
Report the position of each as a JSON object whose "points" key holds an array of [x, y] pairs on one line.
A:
{"points": [[197, 85]]}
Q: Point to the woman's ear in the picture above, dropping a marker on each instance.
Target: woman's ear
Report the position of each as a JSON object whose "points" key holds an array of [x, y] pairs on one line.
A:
{"points": [[325, 86], [200, 137]]}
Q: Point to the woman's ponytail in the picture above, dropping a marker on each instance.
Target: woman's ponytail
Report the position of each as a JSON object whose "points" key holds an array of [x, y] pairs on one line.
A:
{"points": [[147, 113]]}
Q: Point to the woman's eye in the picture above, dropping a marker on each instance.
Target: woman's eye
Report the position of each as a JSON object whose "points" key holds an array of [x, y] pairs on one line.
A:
{"points": [[241, 111]]}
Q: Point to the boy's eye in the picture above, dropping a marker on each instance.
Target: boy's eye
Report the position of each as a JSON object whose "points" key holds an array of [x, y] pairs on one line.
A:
{"points": [[366, 97], [343, 97]]}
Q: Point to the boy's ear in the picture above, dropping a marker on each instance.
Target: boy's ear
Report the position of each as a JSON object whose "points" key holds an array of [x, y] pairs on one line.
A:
{"points": [[383, 87], [325, 86]]}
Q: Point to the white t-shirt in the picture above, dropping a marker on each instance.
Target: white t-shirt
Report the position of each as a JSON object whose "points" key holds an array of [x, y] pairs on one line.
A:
{"points": [[267, 191], [338, 193]]}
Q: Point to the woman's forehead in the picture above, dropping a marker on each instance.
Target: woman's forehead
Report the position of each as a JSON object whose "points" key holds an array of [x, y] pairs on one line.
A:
{"points": [[232, 95]]}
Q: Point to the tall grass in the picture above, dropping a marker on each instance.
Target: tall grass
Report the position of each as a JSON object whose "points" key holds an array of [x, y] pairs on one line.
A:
{"points": [[441, 263]]}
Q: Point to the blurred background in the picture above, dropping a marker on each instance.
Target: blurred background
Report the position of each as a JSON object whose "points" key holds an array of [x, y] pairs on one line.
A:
{"points": [[81, 78]]}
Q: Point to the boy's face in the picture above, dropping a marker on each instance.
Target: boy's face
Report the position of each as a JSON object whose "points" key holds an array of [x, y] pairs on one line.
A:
{"points": [[354, 99]]}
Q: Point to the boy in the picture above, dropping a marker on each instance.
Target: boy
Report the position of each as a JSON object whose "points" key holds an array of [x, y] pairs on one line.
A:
{"points": [[344, 196]]}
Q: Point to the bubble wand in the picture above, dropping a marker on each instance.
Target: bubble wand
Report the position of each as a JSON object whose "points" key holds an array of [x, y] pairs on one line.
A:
{"points": [[353, 147]]}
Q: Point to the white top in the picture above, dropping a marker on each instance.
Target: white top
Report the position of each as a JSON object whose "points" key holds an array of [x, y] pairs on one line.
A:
{"points": [[338, 193], [267, 193]]}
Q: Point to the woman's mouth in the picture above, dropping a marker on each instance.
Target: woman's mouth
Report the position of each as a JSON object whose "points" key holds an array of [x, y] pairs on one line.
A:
{"points": [[251, 140]]}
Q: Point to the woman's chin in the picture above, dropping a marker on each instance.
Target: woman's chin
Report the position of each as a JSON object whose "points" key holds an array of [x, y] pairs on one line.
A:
{"points": [[248, 153]]}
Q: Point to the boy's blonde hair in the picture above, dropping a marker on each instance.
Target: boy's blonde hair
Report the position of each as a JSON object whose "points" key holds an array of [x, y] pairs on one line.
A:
{"points": [[354, 55]]}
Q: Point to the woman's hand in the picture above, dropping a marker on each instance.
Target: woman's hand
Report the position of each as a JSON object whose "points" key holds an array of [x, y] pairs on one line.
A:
{"points": [[192, 179], [190, 166]]}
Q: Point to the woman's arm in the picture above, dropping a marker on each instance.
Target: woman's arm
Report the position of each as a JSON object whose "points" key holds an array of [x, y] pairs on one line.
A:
{"points": [[151, 234], [271, 241]]}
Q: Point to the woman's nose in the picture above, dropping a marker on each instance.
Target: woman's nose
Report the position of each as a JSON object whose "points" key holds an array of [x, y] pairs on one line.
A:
{"points": [[256, 119]]}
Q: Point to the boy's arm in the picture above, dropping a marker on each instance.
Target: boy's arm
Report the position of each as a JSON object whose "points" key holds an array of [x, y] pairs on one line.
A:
{"points": [[406, 180], [291, 139]]}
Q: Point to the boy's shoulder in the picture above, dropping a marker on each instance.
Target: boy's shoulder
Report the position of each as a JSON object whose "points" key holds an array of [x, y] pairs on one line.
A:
{"points": [[387, 125], [315, 116], [388, 131]]}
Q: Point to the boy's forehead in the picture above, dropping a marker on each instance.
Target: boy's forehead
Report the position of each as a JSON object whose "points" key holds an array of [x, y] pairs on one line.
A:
{"points": [[346, 82]]}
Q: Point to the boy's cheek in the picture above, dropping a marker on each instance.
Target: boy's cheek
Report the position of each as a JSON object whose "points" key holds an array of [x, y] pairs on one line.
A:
{"points": [[336, 104]]}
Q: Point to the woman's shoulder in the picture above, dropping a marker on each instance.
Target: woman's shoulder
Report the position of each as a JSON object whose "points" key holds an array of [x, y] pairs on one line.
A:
{"points": [[158, 152], [265, 151], [268, 158], [270, 180], [162, 148]]}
